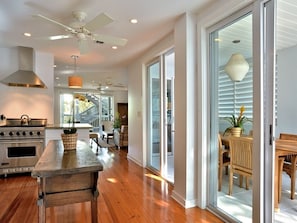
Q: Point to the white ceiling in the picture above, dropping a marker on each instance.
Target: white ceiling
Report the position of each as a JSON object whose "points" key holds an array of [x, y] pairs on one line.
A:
{"points": [[156, 19]]}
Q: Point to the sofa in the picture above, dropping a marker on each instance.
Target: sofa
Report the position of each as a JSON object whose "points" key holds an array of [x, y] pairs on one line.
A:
{"points": [[121, 136]]}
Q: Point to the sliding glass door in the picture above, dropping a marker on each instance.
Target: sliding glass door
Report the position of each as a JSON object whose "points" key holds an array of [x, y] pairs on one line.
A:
{"points": [[249, 32], [228, 96], [160, 82]]}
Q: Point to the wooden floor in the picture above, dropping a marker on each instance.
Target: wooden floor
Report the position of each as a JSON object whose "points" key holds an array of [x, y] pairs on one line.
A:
{"points": [[128, 194]]}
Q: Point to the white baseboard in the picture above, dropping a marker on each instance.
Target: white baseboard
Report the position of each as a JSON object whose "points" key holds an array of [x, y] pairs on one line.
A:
{"points": [[185, 203]]}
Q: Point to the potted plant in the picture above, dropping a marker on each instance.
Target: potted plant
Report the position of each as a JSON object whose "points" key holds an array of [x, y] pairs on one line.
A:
{"points": [[237, 123], [69, 136], [117, 121]]}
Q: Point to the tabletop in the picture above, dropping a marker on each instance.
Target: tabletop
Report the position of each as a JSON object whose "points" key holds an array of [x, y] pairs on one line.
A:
{"points": [[286, 145], [57, 161]]}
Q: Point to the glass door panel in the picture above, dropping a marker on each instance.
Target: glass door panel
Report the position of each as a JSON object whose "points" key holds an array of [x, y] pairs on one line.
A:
{"points": [[154, 94], [169, 116], [227, 97], [161, 115]]}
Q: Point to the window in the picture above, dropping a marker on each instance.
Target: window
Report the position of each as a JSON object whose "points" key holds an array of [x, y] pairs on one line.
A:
{"points": [[107, 108], [88, 108]]}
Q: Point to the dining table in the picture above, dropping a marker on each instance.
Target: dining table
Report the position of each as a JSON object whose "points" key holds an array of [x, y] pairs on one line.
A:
{"points": [[283, 147]]}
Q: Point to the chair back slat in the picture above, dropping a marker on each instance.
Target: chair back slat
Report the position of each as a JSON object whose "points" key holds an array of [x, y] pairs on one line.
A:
{"points": [[241, 149]]}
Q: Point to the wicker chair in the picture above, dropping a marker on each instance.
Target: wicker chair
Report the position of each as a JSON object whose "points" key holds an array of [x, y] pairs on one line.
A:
{"points": [[289, 165], [224, 161], [241, 149]]}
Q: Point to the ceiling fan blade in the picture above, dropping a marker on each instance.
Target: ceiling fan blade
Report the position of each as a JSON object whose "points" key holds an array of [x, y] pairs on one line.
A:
{"points": [[68, 28], [98, 22], [83, 46], [110, 40], [57, 37]]}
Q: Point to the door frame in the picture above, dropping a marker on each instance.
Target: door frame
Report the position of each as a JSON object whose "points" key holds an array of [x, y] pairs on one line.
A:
{"points": [[265, 125]]}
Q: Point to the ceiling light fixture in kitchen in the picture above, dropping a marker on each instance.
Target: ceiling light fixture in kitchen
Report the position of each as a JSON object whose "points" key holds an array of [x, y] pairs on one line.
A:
{"points": [[74, 81], [133, 21]]}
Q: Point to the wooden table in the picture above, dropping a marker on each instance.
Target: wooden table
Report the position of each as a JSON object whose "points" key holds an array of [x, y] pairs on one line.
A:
{"points": [[282, 148], [66, 177]]}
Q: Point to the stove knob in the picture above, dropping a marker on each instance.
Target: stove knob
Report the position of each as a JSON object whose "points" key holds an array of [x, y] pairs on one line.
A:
{"points": [[38, 133], [17, 133], [10, 133], [24, 133], [31, 133], [2, 133]]}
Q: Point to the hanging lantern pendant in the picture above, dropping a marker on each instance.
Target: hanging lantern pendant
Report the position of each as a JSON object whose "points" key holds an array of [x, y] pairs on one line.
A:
{"points": [[237, 67], [74, 81]]}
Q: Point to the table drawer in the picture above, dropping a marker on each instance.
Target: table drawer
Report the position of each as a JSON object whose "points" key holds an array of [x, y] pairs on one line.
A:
{"points": [[68, 182]]}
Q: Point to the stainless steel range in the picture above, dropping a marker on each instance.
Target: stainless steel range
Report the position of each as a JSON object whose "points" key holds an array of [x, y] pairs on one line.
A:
{"points": [[21, 144]]}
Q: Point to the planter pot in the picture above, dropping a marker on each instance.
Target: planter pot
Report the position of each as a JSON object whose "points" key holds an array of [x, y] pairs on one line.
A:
{"points": [[69, 141], [236, 131]]}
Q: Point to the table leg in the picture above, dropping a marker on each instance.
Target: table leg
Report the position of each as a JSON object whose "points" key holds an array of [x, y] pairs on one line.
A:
{"points": [[280, 170], [94, 210], [40, 201], [293, 175]]}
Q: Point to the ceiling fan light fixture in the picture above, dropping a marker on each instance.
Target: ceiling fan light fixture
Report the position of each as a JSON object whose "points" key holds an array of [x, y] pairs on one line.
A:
{"points": [[237, 67], [81, 36]]}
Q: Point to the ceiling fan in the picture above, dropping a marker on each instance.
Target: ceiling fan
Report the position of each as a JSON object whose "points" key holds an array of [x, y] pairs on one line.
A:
{"points": [[110, 86], [85, 31]]}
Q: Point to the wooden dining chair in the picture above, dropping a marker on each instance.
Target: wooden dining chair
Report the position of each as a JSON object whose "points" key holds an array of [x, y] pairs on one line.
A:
{"points": [[290, 163], [224, 161], [241, 149]]}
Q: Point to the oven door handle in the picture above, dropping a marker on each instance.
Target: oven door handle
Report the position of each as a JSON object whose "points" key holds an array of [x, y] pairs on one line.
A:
{"points": [[22, 141]]}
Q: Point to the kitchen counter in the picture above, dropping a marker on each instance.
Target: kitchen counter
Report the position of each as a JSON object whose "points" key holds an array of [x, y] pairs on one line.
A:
{"points": [[67, 177], [54, 131], [64, 126]]}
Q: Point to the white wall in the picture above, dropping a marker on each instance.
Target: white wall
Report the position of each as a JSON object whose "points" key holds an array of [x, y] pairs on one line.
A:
{"points": [[185, 160], [286, 91], [137, 103], [35, 102], [183, 40]]}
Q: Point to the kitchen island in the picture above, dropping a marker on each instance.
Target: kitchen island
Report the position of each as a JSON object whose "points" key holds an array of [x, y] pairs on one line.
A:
{"points": [[54, 131], [66, 177]]}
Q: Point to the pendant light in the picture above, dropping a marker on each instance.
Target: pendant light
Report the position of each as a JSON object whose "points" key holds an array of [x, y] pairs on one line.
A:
{"points": [[74, 81], [237, 67]]}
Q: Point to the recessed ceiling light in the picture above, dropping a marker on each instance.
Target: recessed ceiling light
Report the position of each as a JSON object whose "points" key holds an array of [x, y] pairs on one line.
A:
{"points": [[133, 21], [57, 78], [114, 47], [27, 34], [217, 40]]}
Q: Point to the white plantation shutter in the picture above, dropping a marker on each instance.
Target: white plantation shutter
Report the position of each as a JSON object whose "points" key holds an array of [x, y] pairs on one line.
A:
{"points": [[232, 95]]}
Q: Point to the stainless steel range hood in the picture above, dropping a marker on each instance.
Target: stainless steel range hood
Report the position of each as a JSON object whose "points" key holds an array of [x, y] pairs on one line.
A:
{"points": [[24, 76]]}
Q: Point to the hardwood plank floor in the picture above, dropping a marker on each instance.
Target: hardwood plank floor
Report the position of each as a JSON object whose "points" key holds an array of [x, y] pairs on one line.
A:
{"points": [[128, 194]]}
